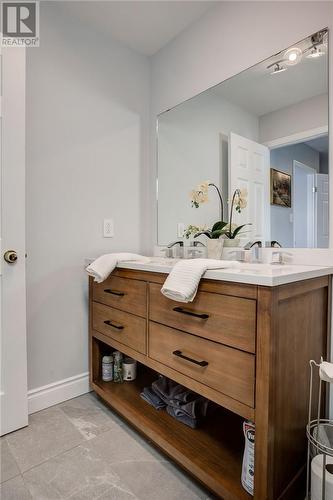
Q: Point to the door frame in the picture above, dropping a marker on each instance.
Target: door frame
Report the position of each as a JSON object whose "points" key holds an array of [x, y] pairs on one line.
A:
{"points": [[311, 222], [303, 136]]}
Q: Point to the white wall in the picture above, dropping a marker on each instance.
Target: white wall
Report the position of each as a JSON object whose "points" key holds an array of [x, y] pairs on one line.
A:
{"points": [[190, 153], [228, 39], [300, 117], [87, 123], [282, 159]]}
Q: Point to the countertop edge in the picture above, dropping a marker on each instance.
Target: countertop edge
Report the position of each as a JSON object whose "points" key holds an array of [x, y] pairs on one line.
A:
{"points": [[235, 276]]}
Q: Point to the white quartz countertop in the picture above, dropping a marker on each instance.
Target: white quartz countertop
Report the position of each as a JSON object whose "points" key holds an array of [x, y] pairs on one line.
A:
{"points": [[254, 274]]}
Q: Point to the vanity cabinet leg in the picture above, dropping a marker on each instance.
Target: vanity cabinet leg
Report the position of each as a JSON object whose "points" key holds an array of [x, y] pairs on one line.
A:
{"points": [[267, 305], [292, 322]]}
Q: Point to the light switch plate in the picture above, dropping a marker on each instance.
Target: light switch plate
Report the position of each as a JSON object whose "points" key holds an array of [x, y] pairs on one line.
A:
{"points": [[108, 230], [180, 229]]}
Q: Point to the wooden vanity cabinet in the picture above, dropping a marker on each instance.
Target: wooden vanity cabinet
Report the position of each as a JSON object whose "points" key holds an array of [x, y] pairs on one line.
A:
{"points": [[246, 347]]}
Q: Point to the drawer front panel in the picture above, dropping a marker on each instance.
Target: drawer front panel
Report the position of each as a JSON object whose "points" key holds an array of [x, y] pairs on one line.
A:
{"points": [[121, 326], [222, 368], [221, 318], [124, 294]]}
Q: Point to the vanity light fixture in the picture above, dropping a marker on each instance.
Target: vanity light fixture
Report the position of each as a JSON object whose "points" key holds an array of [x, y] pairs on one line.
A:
{"points": [[319, 45], [315, 52], [293, 56], [278, 68]]}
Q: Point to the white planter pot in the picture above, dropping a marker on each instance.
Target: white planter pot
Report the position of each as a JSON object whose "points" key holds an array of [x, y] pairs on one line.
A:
{"points": [[232, 243], [215, 248]]}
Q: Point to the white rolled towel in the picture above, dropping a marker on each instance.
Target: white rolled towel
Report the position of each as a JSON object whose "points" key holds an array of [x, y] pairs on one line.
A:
{"points": [[103, 266], [182, 283]]}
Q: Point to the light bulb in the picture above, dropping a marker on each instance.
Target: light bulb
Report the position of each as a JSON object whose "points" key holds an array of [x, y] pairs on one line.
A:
{"points": [[293, 56]]}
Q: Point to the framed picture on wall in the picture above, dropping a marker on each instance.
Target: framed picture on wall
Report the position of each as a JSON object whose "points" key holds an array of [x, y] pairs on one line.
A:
{"points": [[280, 188]]}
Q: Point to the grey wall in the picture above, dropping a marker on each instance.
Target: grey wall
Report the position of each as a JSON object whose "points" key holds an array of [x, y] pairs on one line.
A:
{"points": [[282, 159], [300, 117], [324, 163], [87, 105], [87, 125], [189, 152]]}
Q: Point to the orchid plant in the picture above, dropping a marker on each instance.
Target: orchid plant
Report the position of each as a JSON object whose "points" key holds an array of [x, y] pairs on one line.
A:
{"points": [[220, 228], [200, 195], [239, 202]]}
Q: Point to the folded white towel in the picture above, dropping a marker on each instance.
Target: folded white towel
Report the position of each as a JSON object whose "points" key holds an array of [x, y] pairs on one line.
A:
{"points": [[182, 283], [326, 371], [102, 267]]}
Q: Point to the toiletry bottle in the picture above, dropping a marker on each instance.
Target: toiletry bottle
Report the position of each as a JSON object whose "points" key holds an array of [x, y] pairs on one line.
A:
{"points": [[248, 457], [117, 366], [129, 369], [107, 368]]}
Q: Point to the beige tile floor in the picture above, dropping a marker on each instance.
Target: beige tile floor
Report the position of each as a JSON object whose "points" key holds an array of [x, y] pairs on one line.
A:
{"points": [[81, 450]]}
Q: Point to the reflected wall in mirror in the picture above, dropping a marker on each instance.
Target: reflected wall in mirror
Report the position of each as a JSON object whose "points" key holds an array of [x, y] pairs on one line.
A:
{"points": [[265, 132]]}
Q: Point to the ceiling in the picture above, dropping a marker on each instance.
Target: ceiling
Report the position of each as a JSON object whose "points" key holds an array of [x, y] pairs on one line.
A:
{"points": [[320, 144], [144, 26], [259, 92]]}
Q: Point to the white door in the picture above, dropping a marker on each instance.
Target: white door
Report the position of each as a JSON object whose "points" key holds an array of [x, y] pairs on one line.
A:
{"points": [[321, 211], [13, 382], [249, 168]]}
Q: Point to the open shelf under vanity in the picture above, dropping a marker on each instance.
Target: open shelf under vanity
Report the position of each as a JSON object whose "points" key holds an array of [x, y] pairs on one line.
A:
{"points": [[212, 452]]}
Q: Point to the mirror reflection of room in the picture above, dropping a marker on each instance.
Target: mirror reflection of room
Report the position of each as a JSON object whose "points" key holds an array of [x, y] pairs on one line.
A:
{"points": [[263, 132]]}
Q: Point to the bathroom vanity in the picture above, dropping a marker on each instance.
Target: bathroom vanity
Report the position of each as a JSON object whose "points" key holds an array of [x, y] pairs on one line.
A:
{"points": [[247, 339]]}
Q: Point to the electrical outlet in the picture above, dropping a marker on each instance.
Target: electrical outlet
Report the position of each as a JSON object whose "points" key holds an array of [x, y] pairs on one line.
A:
{"points": [[108, 230]]}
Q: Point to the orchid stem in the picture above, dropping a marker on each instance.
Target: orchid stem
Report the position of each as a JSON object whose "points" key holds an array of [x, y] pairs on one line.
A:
{"points": [[220, 197], [236, 192]]}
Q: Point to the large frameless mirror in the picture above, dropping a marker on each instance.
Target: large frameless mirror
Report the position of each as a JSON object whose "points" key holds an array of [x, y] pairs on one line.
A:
{"points": [[260, 139]]}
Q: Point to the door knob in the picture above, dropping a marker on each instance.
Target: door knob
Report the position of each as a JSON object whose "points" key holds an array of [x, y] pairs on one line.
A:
{"points": [[10, 256]]}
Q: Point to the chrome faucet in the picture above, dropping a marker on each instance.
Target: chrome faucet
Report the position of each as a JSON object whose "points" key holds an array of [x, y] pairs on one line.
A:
{"points": [[174, 243], [280, 257], [251, 244], [256, 250], [275, 244], [170, 251]]}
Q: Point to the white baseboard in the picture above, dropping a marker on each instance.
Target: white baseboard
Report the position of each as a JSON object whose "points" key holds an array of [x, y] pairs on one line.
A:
{"points": [[57, 392]]}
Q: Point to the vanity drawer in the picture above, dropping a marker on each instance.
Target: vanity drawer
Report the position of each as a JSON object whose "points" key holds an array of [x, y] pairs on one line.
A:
{"points": [[221, 318], [122, 293], [121, 326], [222, 368]]}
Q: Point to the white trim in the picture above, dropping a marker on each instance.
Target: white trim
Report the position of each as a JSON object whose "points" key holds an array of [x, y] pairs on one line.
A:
{"points": [[57, 392], [306, 135], [311, 229]]}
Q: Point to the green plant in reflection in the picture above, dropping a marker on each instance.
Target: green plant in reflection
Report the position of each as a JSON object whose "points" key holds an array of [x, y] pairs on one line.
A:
{"points": [[221, 228]]}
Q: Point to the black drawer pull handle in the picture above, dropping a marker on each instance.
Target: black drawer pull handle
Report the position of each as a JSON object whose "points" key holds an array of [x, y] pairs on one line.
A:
{"points": [[114, 292], [191, 313], [181, 355], [109, 323]]}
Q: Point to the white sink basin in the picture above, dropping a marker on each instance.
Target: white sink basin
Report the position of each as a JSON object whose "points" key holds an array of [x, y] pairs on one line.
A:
{"points": [[248, 266], [164, 261], [226, 264]]}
